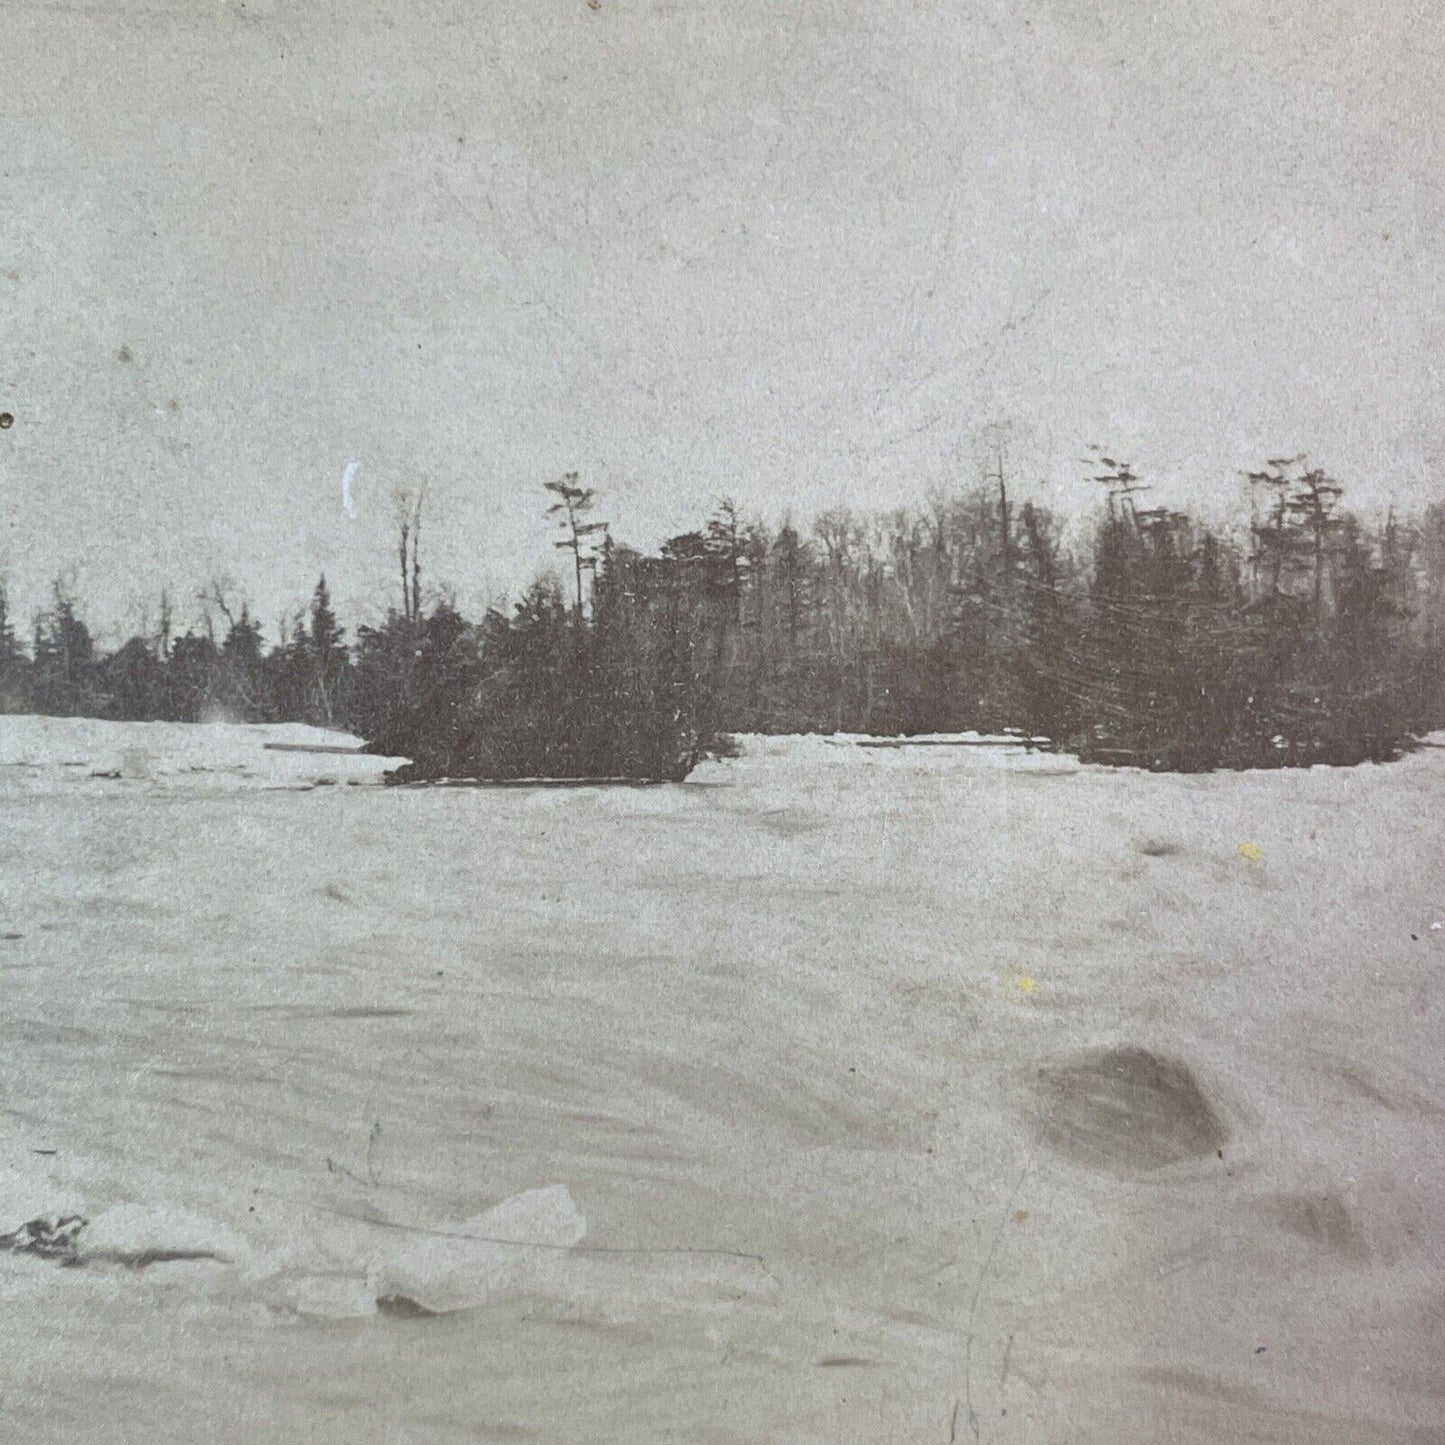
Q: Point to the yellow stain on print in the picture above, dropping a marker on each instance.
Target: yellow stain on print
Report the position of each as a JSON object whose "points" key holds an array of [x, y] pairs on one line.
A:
{"points": [[1015, 985], [1250, 852]]}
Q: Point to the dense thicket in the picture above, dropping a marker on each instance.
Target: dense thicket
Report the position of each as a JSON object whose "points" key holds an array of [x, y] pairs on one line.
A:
{"points": [[1149, 638]]}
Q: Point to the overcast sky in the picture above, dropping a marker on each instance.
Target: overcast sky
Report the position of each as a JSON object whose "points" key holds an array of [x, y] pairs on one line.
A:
{"points": [[798, 251]]}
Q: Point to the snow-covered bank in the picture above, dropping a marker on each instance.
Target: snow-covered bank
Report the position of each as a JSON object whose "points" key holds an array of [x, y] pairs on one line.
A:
{"points": [[896, 1090], [45, 752]]}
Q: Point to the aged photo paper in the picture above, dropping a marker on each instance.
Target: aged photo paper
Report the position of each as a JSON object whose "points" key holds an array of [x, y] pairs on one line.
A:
{"points": [[722, 723]]}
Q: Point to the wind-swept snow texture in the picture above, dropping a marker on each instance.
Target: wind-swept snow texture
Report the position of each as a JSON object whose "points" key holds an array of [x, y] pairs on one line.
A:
{"points": [[873, 1095]]}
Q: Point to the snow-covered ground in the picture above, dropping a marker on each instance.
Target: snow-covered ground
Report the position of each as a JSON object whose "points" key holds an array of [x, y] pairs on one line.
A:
{"points": [[729, 1111], [84, 754]]}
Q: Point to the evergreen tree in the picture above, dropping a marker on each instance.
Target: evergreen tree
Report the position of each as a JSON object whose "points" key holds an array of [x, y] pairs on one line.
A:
{"points": [[64, 678], [323, 647], [244, 692], [14, 665], [193, 679], [134, 681]]}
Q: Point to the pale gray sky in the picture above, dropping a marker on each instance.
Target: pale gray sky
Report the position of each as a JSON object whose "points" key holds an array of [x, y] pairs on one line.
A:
{"points": [[799, 251]]}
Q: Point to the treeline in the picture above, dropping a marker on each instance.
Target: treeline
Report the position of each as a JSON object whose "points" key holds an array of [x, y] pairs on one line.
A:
{"points": [[604, 682], [1152, 639], [204, 674]]}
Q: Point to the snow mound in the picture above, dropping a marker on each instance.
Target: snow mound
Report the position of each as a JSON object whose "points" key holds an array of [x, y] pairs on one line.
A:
{"points": [[485, 1257], [144, 1234]]}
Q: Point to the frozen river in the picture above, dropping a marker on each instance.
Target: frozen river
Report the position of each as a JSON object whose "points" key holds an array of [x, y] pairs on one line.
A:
{"points": [[901, 1095]]}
